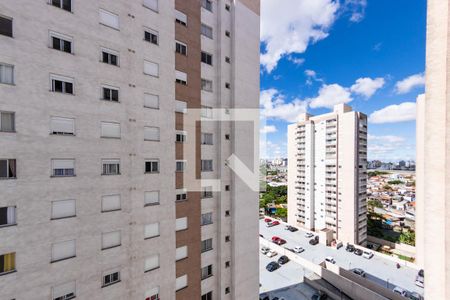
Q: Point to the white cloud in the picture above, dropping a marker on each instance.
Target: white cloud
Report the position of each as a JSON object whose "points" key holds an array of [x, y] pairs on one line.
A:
{"points": [[390, 148], [357, 9], [296, 61], [367, 86], [330, 95], [292, 26], [268, 129], [274, 106], [385, 138], [310, 73], [402, 112], [406, 85]]}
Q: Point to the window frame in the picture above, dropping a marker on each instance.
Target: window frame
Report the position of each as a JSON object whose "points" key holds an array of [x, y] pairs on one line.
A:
{"points": [[7, 18], [151, 94], [207, 5], [13, 121], [204, 27], [108, 163], [61, 5], [206, 245], [14, 222], [110, 53], [53, 168], [6, 65], [208, 162], [206, 58], [13, 267], [53, 132], [64, 217], [206, 219], [181, 44], [181, 195], [8, 162], [151, 8], [206, 272], [178, 20], [104, 210], [180, 136], [151, 161], [110, 273], [204, 140], [111, 14], [156, 139], [207, 83], [151, 32], [111, 88], [64, 80], [53, 260], [62, 38], [152, 203], [182, 163]]}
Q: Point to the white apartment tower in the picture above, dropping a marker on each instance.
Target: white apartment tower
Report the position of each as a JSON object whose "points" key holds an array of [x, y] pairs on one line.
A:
{"points": [[327, 156], [95, 201]]}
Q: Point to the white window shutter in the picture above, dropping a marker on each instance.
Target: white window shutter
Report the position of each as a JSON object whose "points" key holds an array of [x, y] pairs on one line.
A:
{"points": [[63, 164], [63, 209], [181, 252], [180, 106], [180, 75], [109, 19], [62, 125], [63, 250], [111, 239], [151, 230], [181, 224], [180, 282], [6, 74], [152, 4], [151, 68], [110, 202], [152, 262], [109, 129], [11, 215], [180, 16], [151, 197], [151, 133], [65, 289], [151, 101], [151, 292]]}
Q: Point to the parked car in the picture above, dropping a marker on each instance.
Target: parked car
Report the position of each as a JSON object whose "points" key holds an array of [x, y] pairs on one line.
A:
{"points": [[289, 249], [358, 252], [298, 249], [419, 281], [293, 229], [264, 250], [271, 224], [400, 291], [283, 259], [275, 238], [359, 272], [267, 220], [272, 253], [280, 242], [414, 296], [314, 241], [260, 235], [319, 296], [350, 248], [367, 254], [308, 235], [264, 298], [272, 266], [330, 259]]}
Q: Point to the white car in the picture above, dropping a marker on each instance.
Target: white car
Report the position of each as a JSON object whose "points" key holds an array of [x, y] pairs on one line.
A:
{"points": [[298, 249], [367, 254], [264, 250], [359, 272], [308, 235], [330, 259], [272, 253], [419, 281], [400, 291]]}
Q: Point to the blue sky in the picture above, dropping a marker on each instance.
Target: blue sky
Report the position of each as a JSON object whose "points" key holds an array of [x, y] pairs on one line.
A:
{"points": [[369, 54]]}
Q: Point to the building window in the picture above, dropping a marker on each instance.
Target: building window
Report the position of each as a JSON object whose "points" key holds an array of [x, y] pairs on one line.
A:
{"points": [[207, 192], [207, 138], [151, 231], [62, 209], [61, 42], [227, 213], [7, 216], [110, 93], [152, 166], [206, 219], [206, 112], [64, 291], [227, 264], [151, 133], [151, 68], [151, 36], [206, 165], [227, 33], [110, 130], [227, 7], [207, 296], [227, 238], [206, 58], [180, 165], [180, 48], [111, 203], [151, 263], [63, 167], [109, 19], [227, 85], [6, 73], [180, 18], [227, 136], [63, 250], [62, 126], [61, 84], [7, 121], [227, 59], [151, 198], [152, 294], [181, 282], [153, 5], [181, 194], [227, 187], [7, 263], [206, 245], [181, 253], [110, 166], [6, 26], [207, 85], [180, 106], [227, 290], [110, 57], [63, 4], [207, 4], [207, 31], [206, 272], [111, 240], [111, 277], [151, 101], [181, 224], [180, 136], [7, 168], [180, 77]]}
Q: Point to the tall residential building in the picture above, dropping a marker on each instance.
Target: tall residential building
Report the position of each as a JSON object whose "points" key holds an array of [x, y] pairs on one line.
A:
{"points": [[327, 157], [433, 156], [93, 201]]}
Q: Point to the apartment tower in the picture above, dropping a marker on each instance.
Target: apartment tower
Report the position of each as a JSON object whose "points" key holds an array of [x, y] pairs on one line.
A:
{"points": [[433, 156], [99, 197], [327, 177]]}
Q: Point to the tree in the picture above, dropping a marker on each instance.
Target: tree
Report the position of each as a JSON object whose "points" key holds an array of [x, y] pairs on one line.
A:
{"points": [[281, 212], [375, 203], [408, 238]]}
